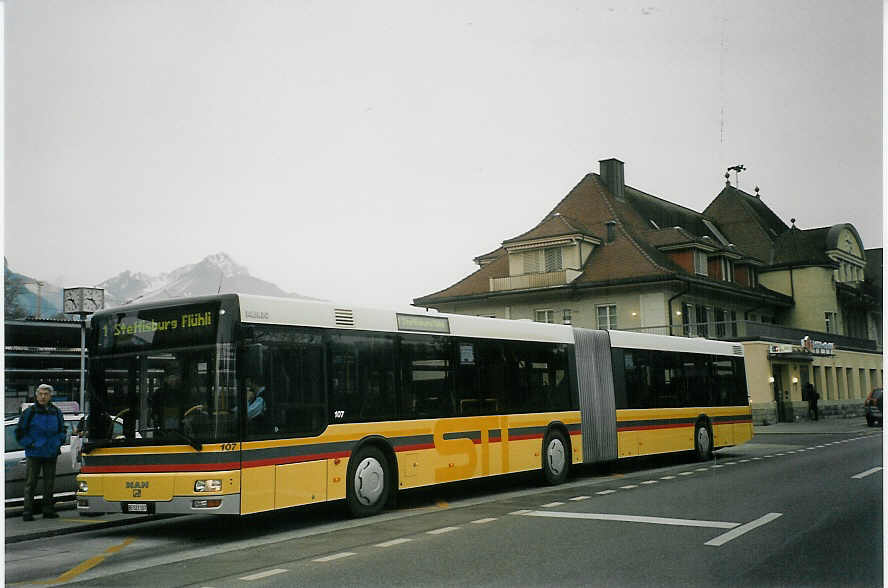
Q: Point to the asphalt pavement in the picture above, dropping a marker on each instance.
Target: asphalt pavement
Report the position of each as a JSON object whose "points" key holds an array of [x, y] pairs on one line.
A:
{"points": [[70, 521]]}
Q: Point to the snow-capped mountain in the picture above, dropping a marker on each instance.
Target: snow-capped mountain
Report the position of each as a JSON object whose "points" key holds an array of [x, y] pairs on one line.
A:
{"points": [[214, 273]]}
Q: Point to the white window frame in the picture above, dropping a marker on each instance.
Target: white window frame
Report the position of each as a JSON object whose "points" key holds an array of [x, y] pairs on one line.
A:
{"points": [[831, 321], [610, 316]]}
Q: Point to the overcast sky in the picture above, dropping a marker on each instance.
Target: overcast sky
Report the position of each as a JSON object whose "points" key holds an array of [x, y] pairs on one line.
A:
{"points": [[367, 151]]}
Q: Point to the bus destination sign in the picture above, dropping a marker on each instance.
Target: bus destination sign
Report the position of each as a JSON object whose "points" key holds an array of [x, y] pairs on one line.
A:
{"points": [[426, 324], [159, 327]]}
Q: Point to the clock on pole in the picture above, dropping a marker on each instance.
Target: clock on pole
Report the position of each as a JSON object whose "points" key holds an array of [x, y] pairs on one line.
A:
{"points": [[83, 301]]}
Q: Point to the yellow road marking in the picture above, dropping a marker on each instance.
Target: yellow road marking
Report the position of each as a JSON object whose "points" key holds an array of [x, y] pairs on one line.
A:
{"points": [[88, 564], [442, 504]]}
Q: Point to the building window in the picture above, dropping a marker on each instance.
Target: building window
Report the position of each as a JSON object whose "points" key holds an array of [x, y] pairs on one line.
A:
{"points": [[720, 323], [733, 323], [607, 316], [543, 260], [690, 329], [553, 259], [831, 323], [702, 321], [701, 263], [544, 316], [565, 316]]}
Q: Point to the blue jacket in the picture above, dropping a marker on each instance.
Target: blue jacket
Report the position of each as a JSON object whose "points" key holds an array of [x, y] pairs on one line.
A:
{"points": [[41, 431]]}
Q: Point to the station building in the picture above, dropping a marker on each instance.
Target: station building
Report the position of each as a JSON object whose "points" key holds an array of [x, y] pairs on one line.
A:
{"points": [[40, 351], [805, 303]]}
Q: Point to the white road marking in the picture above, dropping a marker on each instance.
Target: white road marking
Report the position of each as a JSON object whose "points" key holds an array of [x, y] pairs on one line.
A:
{"points": [[520, 512], [744, 460], [685, 473], [733, 534], [629, 487], [552, 504], [821, 446], [264, 574], [602, 493], [334, 556], [718, 466], [394, 542], [482, 521], [702, 469], [577, 498], [631, 519], [442, 530], [731, 463], [866, 473], [668, 478], [649, 482]]}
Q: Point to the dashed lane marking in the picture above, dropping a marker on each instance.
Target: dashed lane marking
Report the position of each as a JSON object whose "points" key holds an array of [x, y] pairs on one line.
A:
{"points": [[603, 492], [668, 478], [552, 504], [685, 473], [629, 487], [265, 574], [866, 473], [649, 482], [442, 530], [483, 521], [394, 542], [333, 557], [578, 498]]}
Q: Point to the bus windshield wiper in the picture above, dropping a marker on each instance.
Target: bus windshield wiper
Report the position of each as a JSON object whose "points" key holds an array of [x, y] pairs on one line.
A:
{"points": [[193, 442]]}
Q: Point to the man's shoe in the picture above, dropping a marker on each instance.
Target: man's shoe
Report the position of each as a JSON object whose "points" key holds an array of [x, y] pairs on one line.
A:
{"points": [[27, 517], [50, 515]]}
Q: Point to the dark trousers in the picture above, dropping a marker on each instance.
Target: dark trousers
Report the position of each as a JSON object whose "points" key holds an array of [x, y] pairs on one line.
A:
{"points": [[812, 409], [36, 465]]}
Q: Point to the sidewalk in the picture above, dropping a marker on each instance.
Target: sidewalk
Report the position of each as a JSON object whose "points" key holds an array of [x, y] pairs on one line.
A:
{"points": [[70, 521], [823, 426]]}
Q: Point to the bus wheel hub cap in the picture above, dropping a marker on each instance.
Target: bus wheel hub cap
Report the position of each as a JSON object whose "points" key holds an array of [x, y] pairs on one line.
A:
{"points": [[369, 480], [555, 454]]}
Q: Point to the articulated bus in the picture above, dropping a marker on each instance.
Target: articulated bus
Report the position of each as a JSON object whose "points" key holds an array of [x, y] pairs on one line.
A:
{"points": [[237, 404]]}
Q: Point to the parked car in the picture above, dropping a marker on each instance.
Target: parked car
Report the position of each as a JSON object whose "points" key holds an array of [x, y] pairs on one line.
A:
{"points": [[15, 467], [872, 406]]}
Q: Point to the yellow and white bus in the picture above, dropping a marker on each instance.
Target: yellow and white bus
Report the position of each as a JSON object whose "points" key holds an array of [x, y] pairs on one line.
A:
{"points": [[237, 404]]}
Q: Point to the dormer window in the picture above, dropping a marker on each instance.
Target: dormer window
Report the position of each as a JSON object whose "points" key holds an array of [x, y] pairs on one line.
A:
{"points": [[543, 260], [701, 263]]}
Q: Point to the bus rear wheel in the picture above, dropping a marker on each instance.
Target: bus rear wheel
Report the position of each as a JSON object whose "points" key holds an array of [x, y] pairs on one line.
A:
{"points": [[556, 457], [368, 482], [703, 442]]}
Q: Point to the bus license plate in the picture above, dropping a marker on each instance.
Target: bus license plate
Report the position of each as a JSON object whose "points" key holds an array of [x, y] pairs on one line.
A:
{"points": [[136, 507]]}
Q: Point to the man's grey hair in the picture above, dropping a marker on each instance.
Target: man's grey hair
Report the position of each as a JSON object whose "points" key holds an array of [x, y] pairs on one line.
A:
{"points": [[45, 387]]}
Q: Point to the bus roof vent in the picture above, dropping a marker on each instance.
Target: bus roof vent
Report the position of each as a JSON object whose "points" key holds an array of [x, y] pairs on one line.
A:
{"points": [[344, 318], [738, 350]]}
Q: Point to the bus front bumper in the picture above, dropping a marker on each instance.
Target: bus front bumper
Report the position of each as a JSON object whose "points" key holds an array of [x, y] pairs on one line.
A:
{"points": [[228, 504]]}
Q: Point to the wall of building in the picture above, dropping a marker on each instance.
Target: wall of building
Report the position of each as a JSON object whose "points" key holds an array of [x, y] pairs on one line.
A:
{"points": [[843, 381], [814, 291]]}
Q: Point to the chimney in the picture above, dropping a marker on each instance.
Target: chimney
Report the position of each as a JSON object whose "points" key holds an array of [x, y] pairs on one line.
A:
{"points": [[611, 172]]}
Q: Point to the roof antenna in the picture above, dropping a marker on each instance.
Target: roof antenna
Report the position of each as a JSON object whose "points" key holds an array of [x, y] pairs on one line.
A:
{"points": [[221, 277]]}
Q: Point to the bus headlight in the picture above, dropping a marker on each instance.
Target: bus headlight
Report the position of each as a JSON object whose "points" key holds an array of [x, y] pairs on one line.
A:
{"points": [[208, 485], [82, 486]]}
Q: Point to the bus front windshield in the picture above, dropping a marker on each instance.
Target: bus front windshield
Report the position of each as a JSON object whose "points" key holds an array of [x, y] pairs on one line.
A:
{"points": [[170, 396]]}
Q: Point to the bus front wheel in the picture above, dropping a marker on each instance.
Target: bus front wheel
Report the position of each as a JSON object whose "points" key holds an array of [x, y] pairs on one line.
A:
{"points": [[368, 482], [703, 442], [556, 456]]}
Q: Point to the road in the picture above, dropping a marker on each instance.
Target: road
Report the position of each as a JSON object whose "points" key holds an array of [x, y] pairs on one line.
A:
{"points": [[783, 510]]}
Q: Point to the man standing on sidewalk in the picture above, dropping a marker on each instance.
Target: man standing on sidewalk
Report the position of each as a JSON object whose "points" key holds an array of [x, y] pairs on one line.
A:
{"points": [[813, 396], [41, 431]]}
